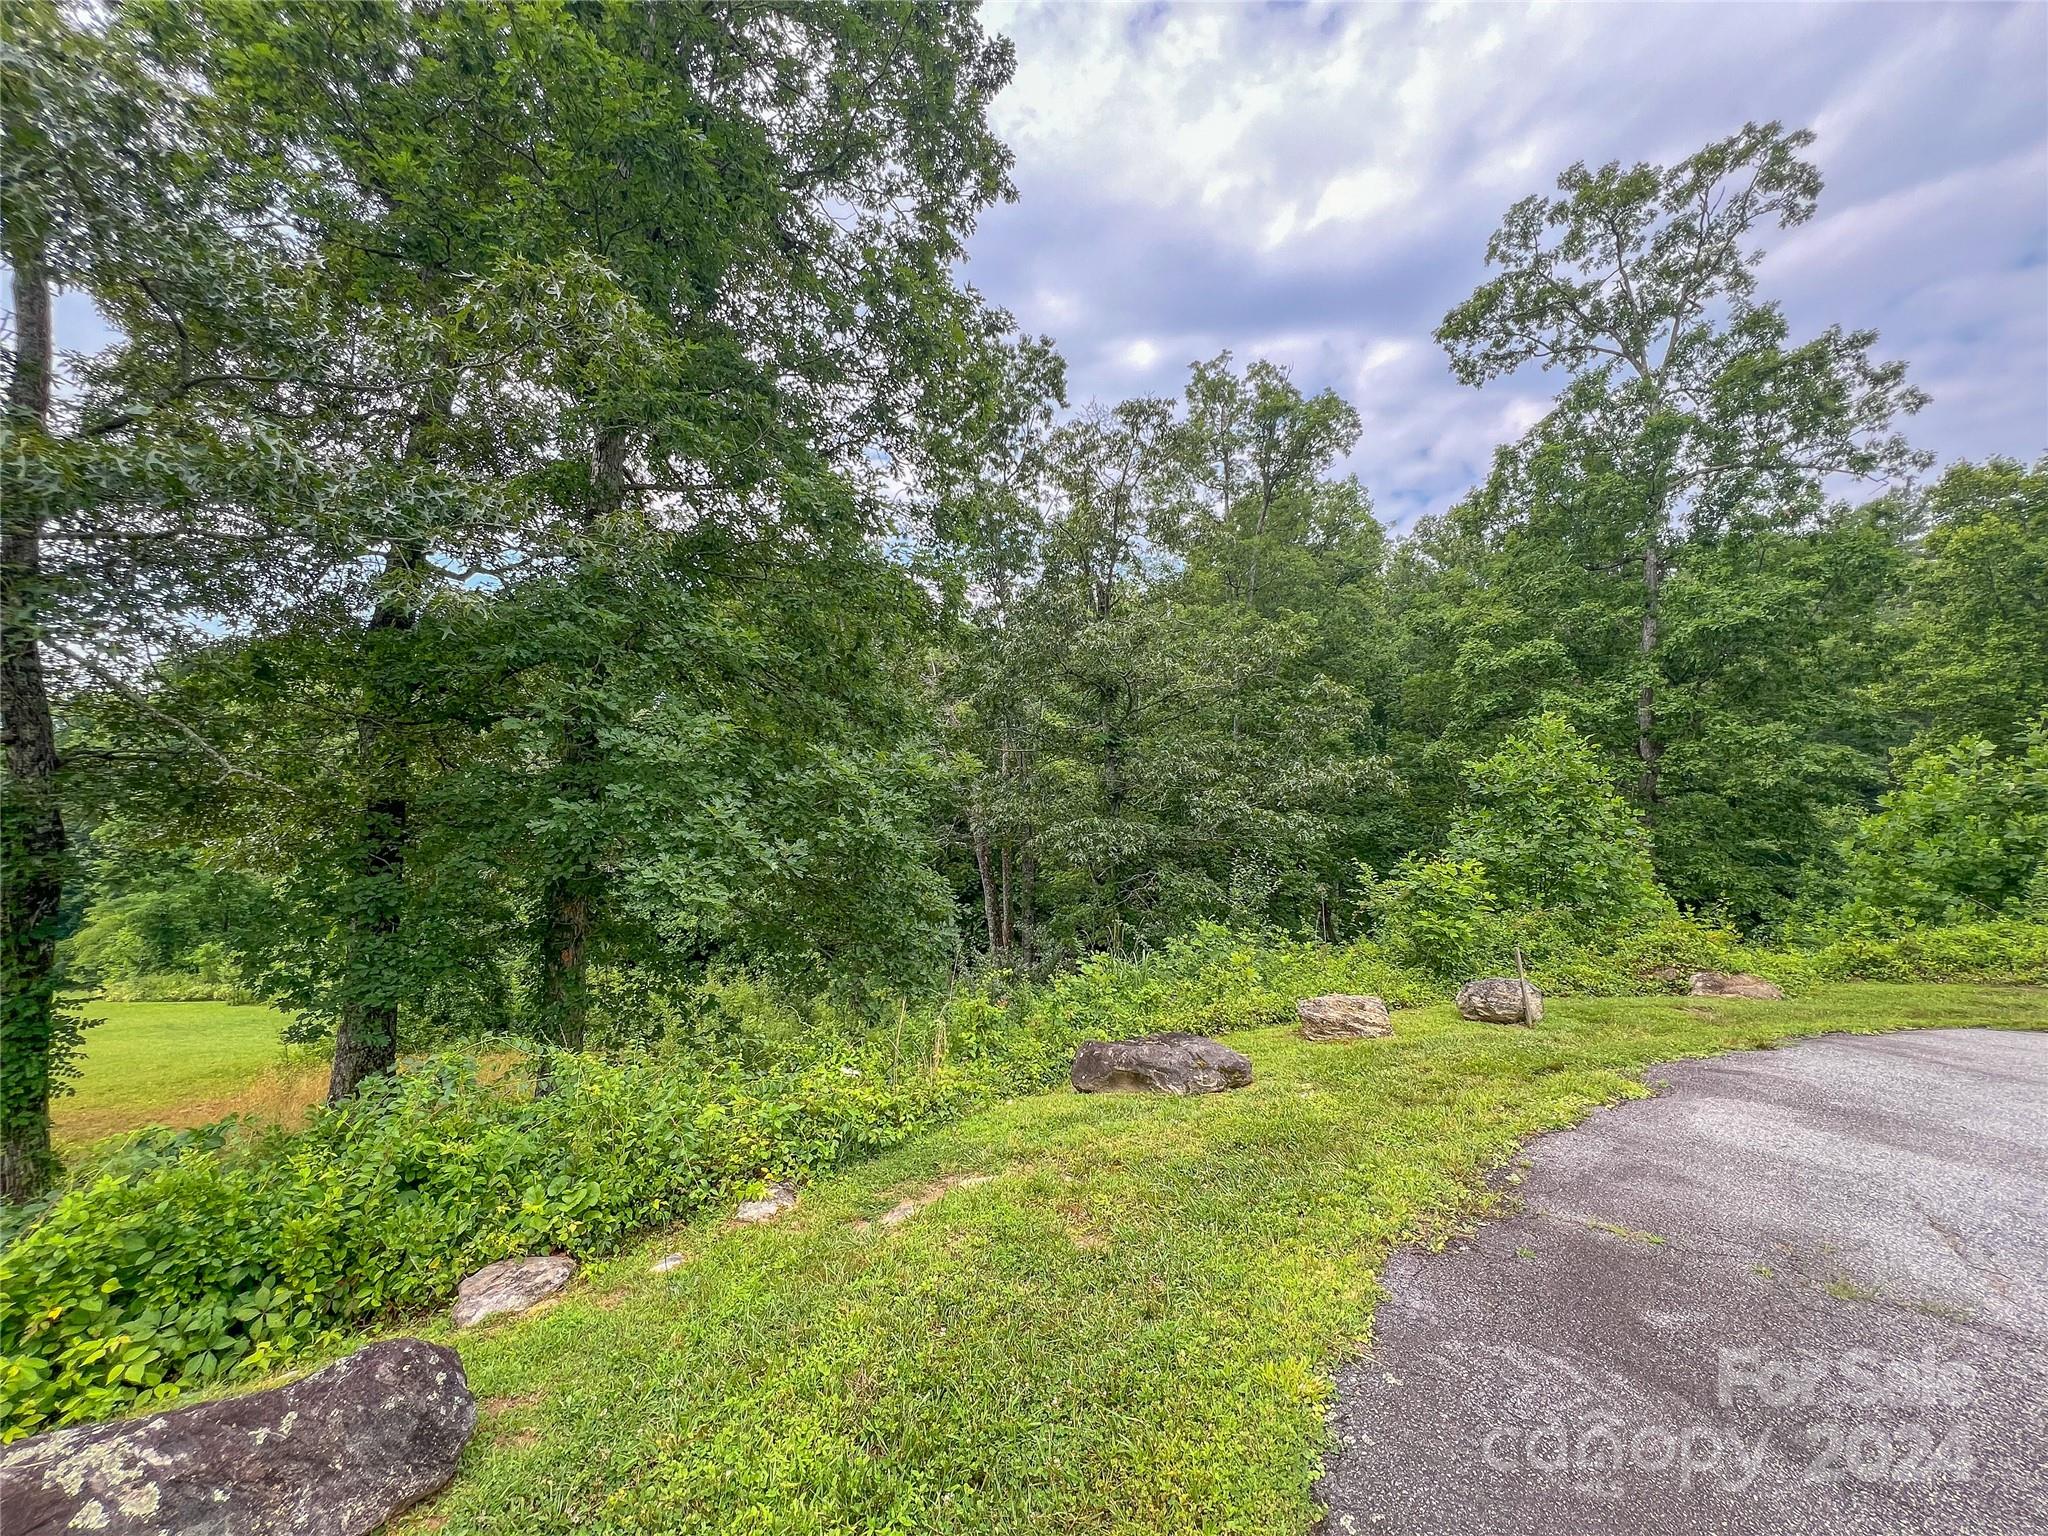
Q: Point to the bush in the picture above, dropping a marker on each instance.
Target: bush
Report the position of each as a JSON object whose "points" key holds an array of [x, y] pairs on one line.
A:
{"points": [[173, 987], [209, 1257], [1963, 838], [1438, 916], [1559, 845], [2012, 952]]}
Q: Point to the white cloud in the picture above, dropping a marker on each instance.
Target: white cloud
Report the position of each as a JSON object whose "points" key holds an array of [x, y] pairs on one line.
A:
{"points": [[1316, 184]]}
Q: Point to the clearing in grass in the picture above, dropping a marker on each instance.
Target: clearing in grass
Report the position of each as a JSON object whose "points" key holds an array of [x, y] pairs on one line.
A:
{"points": [[181, 1064]]}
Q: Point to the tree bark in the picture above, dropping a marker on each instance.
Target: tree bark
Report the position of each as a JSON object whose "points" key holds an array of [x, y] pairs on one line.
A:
{"points": [[565, 957], [32, 839], [1027, 912], [1003, 906], [366, 1038]]}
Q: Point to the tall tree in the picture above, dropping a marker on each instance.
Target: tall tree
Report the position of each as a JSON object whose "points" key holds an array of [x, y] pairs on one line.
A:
{"points": [[107, 484], [1686, 398]]}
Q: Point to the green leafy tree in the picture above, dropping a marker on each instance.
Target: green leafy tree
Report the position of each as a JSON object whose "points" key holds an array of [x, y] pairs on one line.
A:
{"points": [[1976, 629], [1689, 412], [1175, 738], [1964, 837], [144, 493], [1659, 559]]}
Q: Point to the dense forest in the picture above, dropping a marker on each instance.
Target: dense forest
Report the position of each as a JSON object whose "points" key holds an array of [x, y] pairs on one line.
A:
{"points": [[554, 530]]}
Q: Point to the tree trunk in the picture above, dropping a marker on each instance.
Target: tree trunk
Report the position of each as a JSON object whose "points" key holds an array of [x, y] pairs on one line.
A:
{"points": [[565, 955], [32, 841], [366, 1038], [1648, 750], [1027, 913], [575, 892], [1003, 905], [988, 883]]}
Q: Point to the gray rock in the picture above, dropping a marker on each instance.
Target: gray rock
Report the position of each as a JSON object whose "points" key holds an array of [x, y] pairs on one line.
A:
{"points": [[669, 1262], [1169, 1063], [1341, 1016], [336, 1454], [780, 1198], [1498, 1000], [511, 1285], [1734, 984]]}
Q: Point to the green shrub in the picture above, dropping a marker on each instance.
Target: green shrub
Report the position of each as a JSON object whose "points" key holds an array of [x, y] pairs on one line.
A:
{"points": [[1996, 952], [212, 1257], [1962, 839], [173, 987], [1438, 915]]}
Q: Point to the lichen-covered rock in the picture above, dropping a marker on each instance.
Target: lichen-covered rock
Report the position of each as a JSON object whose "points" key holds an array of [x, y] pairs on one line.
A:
{"points": [[1499, 1000], [336, 1454], [1340, 1016], [780, 1198], [1734, 984], [1168, 1063], [511, 1285]]}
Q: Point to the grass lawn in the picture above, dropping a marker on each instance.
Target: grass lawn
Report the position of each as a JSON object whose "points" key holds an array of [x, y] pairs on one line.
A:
{"points": [[181, 1064], [1129, 1327]]}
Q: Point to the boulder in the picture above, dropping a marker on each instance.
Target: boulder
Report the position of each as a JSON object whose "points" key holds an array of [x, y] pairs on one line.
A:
{"points": [[780, 1198], [1169, 1063], [1734, 984], [1340, 1016], [1499, 1000], [511, 1285], [336, 1454]]}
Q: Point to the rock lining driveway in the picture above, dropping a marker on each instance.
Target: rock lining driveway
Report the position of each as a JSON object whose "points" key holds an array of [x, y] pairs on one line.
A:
{"points": [[1803, 1290]]}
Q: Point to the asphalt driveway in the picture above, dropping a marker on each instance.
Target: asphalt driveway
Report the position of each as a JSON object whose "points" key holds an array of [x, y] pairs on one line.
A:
{"points": [[1802, 1290]]}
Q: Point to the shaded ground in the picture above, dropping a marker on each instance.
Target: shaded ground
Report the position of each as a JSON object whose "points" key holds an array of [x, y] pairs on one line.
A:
{"points": [[1804, 1290]]}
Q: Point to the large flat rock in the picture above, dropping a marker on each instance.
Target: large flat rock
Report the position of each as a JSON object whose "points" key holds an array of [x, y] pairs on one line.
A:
{"points": [[336, 1454]]}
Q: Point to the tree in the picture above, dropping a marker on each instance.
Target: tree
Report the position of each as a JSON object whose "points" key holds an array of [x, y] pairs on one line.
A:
{"points": [[1964, 837], [1976, 628], [126, 496], [1156, 723], [1544, 848], [676, 278], [1688, 412]]}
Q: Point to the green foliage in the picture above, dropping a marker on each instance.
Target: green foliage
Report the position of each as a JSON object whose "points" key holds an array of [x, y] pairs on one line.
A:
{"points": [[1558, 844], [1963, 838], [199, 1260], [1129, 1325], [1544, 854], [1976, 658], [164, 934], [2004, 953], [1439, 916], [1657, 557], [183, 1259]]}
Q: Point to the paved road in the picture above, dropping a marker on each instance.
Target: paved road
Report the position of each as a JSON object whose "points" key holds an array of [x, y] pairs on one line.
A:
{"points": [[1841, 1327]]}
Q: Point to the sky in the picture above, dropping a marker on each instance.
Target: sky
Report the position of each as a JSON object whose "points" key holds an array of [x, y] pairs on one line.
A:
{"points": [[1315, 184]]}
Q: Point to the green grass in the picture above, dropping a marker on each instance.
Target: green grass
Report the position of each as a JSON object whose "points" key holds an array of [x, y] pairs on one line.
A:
{"points": [[1130, 1327], [181, 1064]]}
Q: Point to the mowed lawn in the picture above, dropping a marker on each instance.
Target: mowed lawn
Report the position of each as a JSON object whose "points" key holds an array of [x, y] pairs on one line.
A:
{"points": [[181, 1064], [1129, 1324]]}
